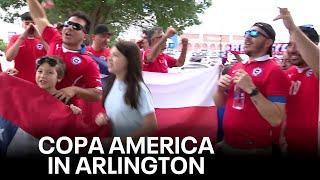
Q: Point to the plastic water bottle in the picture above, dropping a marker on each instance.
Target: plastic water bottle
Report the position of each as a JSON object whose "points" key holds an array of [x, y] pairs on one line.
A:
{"points": [[238, 98]]}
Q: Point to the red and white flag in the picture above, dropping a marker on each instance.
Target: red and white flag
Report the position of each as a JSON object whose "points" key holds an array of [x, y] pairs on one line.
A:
{"points": [[183, 102]]}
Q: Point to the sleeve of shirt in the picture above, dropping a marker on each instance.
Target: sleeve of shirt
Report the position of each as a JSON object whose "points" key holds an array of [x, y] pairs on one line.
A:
{"points": [[146, 105], [91, 76], [51, 35], [12, 40], [145, 55], [278, 85], [172, 62], [232, 69]]}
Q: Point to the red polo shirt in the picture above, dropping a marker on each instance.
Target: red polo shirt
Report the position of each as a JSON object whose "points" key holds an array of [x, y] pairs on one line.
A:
{"points": [[302, 112], [246, 128], [82, 71], [160, 64], [25, 61]]}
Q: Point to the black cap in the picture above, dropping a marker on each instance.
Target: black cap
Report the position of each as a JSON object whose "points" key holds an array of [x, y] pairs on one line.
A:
{"points": [[310, 32], [102, 29], [268, 29], [26, 17]]}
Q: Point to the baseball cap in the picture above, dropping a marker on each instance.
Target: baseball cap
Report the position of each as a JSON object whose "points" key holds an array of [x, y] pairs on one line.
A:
{"points": [[268, 29], [310, 32], [101, 29]]}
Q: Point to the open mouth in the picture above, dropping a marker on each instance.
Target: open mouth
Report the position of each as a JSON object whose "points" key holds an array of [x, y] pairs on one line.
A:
{"points": [[294, 57], [42, 81], [68, 34], [246, 43]]}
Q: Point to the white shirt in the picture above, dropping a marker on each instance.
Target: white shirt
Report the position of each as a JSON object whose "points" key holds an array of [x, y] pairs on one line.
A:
{"points": [[124, 118]]}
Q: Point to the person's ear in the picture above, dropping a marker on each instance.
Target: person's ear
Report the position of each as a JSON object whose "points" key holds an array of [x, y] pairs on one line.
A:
{"points": [[269, 43], [85, 36]]}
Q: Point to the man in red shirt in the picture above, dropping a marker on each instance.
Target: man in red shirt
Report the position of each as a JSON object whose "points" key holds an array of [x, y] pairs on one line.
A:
{"points": [[254, 128], [99, 50], [100, 39], [26, 48], [82, 78], [154, 60], [303, 103]]}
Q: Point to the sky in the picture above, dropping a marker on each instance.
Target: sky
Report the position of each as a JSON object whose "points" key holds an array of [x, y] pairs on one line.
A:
{"points": [[236, 16]]}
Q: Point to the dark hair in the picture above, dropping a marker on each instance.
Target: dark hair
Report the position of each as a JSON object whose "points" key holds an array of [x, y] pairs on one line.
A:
{"points": [[84, 17], [133, 77], [145, 31], [53, 61], [59, 26], [101, 29], [26, 17], [148, 37], [310, 32]]}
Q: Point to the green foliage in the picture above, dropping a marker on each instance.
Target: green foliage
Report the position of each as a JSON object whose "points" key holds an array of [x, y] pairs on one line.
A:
{"points": [[120, 14], [3, 45]]}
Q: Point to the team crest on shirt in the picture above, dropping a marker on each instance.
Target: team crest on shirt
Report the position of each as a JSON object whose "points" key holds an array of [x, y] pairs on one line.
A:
{"points": [[76, 60], [309, 73], [39, 46], [163, 61], [256, 71], [102, 57]]}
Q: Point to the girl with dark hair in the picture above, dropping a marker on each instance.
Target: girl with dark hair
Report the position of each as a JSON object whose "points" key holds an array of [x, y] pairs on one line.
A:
{"points": [[126, 98]]}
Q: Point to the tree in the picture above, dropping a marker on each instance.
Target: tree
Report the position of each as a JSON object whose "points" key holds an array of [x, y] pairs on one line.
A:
{"points": [[3, 45], [120, 14]]}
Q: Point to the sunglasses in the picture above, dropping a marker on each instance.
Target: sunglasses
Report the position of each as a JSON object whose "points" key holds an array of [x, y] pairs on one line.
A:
{"points": [[51, 61], [75, 26], [308, 26], [254, 34]]}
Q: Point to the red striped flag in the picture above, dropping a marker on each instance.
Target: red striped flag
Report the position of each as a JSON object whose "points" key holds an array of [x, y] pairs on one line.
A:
{"points": [[183, 102]]}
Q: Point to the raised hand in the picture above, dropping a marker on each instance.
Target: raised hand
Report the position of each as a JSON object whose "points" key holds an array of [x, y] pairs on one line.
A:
{"points": [[65, 94], [243, 80], [102, 119], [224, 81], [286, 17], [170, 32]]}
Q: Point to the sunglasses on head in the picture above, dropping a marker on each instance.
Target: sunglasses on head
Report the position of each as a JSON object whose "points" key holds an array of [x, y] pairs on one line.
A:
{"points": [[49, 60], [75, 26], [253, 33], [308, 26]]}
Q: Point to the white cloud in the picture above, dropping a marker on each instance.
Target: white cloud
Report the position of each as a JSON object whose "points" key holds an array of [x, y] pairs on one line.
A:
{"points": [[236, 16]]}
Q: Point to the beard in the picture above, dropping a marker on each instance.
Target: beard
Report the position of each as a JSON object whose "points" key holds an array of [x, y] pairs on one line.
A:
{"points": [[298, 61], [253, 51]]}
